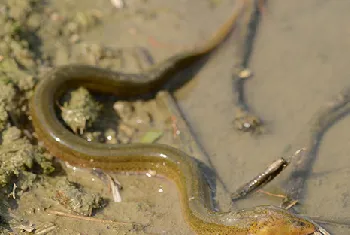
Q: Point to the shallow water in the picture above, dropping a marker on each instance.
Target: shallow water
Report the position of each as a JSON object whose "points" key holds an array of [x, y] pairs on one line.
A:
{"points": [[299, 62]]}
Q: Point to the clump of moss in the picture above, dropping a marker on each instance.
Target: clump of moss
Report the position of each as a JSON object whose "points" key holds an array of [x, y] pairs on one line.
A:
{"points": [[12, 73], [3, 116], [81, 110], [68, 27], [21, 19], [18, 157], [74, 198], [4, 217], [7, 96]]}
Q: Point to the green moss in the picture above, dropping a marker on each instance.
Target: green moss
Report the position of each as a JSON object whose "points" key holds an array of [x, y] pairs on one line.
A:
{"points": [[80, 111]]}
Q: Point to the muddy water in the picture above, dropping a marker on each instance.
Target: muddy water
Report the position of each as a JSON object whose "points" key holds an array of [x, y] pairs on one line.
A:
{"points": [[300, 60]]}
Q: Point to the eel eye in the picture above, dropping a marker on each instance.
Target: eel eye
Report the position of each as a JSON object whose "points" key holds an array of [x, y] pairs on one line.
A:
{"points": [[299, 223]]}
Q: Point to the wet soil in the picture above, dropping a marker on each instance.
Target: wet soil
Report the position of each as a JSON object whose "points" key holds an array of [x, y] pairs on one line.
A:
{"points": [[299, 61]]}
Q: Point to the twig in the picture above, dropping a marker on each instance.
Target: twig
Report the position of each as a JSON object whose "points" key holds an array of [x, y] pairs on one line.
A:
{"points": [[176, 130], [261, 179], [63, 214], [271, 194], [45, 230], [13, 192], [115, 188]]}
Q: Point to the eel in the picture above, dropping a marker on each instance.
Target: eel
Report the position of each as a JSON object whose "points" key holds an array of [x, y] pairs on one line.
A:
{"points": [[176, 165]]}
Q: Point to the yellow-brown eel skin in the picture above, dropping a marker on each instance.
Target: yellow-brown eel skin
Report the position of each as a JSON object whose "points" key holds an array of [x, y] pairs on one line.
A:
{"points": [[165, 160]]}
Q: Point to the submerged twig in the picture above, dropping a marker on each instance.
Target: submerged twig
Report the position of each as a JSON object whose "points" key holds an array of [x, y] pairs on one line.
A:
{"points": [[63, 214], [115, 187], [113, 184], [261, 179]]}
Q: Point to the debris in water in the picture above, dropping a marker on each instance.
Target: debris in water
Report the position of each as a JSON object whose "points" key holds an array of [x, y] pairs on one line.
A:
{"points": [[119, 4], [151, 137]]}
